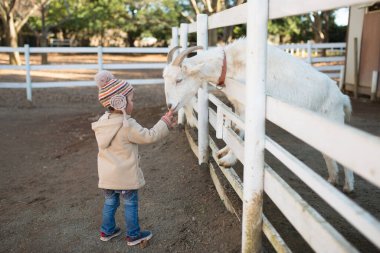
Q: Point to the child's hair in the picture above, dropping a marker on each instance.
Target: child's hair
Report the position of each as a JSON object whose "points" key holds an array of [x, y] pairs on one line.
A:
{"points": [[110, 86]]}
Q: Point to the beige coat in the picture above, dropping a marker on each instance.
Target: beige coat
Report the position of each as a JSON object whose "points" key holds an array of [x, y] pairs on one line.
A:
{"points": [[118, 159]]}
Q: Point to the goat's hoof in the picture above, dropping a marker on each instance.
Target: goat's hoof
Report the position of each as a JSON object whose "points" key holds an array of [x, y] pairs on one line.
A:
{"points": [[223, 164], [222, 152], [348, 188], [333, 181], [227, 161], [222, 161], [181, 127]]}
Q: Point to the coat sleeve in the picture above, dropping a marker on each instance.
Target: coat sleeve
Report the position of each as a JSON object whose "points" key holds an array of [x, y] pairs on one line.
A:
{"points": [[140, 135]]}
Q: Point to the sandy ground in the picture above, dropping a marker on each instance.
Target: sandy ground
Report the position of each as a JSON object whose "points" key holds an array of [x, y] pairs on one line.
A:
{"points": [[49, 198], [50, 202]]}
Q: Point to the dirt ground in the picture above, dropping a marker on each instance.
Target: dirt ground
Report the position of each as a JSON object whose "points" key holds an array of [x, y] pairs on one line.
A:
{"points": [[50, 202]]}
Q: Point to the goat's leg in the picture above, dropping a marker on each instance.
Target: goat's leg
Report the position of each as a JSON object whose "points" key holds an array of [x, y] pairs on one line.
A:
{"points": [[348, 180], [222, 152], [226, 157], [333, 169], [332, 166], [190, 119], [181, 116]]}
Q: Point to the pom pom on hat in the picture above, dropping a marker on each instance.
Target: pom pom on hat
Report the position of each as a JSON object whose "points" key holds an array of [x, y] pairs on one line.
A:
{"points": [[103, 77], [111, 88]]}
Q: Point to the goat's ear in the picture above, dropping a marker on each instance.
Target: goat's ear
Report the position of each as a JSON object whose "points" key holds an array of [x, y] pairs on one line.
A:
{"points": [[193, 69]]}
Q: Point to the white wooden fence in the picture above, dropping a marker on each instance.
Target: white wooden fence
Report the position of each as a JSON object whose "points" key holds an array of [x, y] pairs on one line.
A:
{"points": [[352, 148], [332, 64], [302, 50], [28, 67]]}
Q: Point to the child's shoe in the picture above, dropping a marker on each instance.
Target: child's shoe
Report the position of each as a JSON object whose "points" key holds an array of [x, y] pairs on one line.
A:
{"points": [[104, 237], [143, 236]]}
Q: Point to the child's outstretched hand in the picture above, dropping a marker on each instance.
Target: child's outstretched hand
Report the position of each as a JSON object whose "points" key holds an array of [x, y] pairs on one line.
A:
{"points": [[169, 119]]}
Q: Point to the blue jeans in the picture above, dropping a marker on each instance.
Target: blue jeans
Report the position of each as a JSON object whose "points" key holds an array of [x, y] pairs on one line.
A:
{"points": [[131, 212]]}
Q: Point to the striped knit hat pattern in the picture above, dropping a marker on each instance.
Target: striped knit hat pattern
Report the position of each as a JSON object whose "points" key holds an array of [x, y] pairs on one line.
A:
{"points": [[111, 88]]}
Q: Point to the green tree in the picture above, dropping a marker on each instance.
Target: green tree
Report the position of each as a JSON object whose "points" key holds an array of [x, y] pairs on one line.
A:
{"points": [[321, 23], [289, 29], [318, 26], [52, 14], [210, 7], [14, 14], [87, 18], [156, 19]]}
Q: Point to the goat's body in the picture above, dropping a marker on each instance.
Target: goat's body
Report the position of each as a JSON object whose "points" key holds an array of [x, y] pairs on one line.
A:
{"points": [[288, 79]]}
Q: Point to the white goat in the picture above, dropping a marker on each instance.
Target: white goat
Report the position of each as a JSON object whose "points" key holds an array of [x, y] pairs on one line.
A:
{"points": [[288, 79]]}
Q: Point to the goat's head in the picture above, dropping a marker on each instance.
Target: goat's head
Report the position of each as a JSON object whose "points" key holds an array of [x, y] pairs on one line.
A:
{"points": [[182, 79]]}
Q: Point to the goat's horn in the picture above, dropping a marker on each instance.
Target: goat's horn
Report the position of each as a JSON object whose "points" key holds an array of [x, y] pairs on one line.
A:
{"points": [[170, 54], [179, 59]]}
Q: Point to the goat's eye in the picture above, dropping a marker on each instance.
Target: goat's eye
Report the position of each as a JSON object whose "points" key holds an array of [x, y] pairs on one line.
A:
{"points": [[178, 81]]}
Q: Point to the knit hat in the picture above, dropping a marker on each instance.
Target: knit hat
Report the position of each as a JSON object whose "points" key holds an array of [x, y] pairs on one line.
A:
{"points": [[102, 77], [111, 87]]}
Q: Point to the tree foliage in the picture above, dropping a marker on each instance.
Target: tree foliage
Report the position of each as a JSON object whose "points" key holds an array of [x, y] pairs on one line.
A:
{"points": [[108, 21], [317, 26], [13, 15], [84, 19]]}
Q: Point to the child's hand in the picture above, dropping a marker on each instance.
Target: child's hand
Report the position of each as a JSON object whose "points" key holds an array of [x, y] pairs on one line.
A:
{"points": [[169, 119]]}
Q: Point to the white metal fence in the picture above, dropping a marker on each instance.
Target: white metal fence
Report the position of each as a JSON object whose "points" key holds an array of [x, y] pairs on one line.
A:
{"points": [[28, 67], [341, 142]]}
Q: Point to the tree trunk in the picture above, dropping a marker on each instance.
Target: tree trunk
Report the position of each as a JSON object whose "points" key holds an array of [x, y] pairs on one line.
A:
{"points": [[317, 28], [227, 34], [319, 36], [14, 58], [43, 43], [44, 56], [320, 28], [212, 37]]}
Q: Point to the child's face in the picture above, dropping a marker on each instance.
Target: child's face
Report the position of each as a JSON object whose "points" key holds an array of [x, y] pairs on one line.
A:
{"points": [[129, 108]]}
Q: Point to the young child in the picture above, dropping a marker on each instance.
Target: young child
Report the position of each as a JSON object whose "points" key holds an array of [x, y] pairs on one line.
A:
{"points": [[118, 160]]}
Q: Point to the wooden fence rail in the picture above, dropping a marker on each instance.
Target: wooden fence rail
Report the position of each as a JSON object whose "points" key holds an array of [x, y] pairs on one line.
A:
{"points": [[332, 64], [353, 148], [28, 67], [333, 71]]}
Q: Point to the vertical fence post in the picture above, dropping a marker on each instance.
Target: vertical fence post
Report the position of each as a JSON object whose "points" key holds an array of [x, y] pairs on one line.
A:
{"points": [[202, 40], [183, 44], [341, 78], [254, 125], [174, 41], [100, 58], [356, 66], [309, 52], [184, 29], [375, 79], [27, 74]]}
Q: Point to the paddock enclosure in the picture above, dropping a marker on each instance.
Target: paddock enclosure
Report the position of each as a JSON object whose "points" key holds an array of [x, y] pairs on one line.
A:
{"points": [[352, 148], [50, 202], [49, 198]]}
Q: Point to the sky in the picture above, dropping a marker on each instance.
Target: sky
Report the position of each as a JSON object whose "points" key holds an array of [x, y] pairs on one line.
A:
{"points": [[341, 17]]}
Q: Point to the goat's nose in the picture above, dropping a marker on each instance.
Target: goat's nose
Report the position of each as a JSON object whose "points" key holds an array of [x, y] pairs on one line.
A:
{"points": [[169, 106]]}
